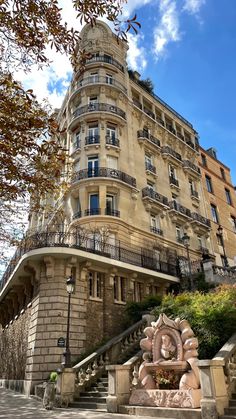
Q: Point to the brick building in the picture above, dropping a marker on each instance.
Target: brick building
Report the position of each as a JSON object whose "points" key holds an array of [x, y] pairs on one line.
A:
{"points": [[135, 189], [220, 201]]}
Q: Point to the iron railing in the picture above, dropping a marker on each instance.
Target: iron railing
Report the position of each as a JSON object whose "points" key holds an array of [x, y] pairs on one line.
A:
{"points": [[145, 134], [180, 208], [112, 141], [134, 255], [168, 150], [92, 211], [105, 59], [194, 194], [189, 165], [77, 215], [112, 212], [149, 167], [99, 107], [92, 139], [76, 145], [150, 193], [170, 128], [156, 230], [100, 79], [104, 172], [173, 181], [201, 219], [149, 112]]}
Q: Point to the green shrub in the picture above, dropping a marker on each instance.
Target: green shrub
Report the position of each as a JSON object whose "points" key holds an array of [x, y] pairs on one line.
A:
{"points": [[212, 316], [53, 376], [134, 310]]}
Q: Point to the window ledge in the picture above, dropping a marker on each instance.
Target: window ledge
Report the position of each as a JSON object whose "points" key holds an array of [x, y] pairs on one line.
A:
{"points": [[123, 303], [95, 299]]}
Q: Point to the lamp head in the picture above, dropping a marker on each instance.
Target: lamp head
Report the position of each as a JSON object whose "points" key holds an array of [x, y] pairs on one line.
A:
{"points": [[70, 285], [220, 230], [185, 240]]}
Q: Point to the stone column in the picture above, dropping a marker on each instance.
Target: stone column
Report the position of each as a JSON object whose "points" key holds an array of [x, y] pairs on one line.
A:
{"points": [[118, 387]]}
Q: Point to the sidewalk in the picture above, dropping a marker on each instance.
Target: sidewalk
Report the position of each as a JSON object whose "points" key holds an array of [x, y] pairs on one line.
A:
{"points": [[15, 405]]}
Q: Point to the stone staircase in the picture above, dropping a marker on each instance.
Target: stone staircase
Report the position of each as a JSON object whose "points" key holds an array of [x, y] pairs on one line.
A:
{"points": [[230, 412], [95, 397]]}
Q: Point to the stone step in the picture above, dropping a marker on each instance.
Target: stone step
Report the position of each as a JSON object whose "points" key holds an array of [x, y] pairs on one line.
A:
{"points": [[227, 417], [230, 410], [161, 412], [94, 393], [98, 387], [91, 399], [88, 405], [232, 403]]}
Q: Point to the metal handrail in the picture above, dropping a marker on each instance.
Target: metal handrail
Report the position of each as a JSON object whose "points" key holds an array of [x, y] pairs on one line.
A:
{"points": [[99, 107], [100, 79], [149, 192], [104, 172], [104, 59]]}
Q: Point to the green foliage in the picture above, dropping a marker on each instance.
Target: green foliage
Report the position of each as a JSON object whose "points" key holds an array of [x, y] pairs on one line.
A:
{"points": [[134, 310], [212, 316], [53, 376], [147, 84]]}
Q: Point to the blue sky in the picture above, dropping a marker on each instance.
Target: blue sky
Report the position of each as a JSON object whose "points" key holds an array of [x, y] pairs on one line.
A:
{"points": [[188, 49]]}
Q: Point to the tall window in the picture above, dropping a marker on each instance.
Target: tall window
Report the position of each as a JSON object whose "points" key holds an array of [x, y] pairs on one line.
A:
{"points": [[172, 171], [93, 164], [110, 204], [93, 100], [76, 140], [95, 284], [204, 160], [228, 197], [222, 173], [93, 133], [119, 289], [137, 291], [93, 204], [209, 184], [214, 213], [93, 77], [179, 233], [233, 222], [148, 161], [151, 185], [112, 162], [111, 131], [109, 78]]}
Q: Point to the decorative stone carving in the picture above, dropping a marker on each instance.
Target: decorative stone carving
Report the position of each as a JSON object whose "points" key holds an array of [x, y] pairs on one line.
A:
{"points": [[170, 346]]}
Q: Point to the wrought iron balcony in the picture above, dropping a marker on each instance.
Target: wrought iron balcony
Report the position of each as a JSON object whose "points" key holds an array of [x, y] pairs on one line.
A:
{"points": [[92, 139], [180, 209], [194, 194], [150, 193], [173, 181], [104, 172], [144, 134], [160, 121], [77, 215], [156, 230], [170, 128], [99, 107], [188, 165], [105, 59], [200, 219], [112, 141], [121, 251], [166, 150], [149, 167], [179, 135], [102, 80], [137, 103], [190, 143], [112, 212], [92, 211]]}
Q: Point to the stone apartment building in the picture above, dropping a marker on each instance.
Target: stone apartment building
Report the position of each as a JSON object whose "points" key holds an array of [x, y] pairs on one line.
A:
{"points": [[220, 201], [135, 189]]}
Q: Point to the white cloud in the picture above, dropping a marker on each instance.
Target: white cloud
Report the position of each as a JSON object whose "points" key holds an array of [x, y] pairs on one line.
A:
{"points": [[132, 5], [193, 6], [136, 54], [168, 28]]}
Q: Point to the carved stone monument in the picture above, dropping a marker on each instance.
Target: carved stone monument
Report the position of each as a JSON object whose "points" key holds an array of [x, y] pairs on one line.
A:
{"points": [[170, 359]]}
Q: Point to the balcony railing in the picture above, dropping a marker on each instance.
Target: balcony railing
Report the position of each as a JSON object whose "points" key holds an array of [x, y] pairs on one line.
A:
{"points": [[170, 128], [156, 230], [92, 211], [137, 103], [189, 165], [104, 59], [201, 219], [100, 79], [92, 139], [150, 193], [137, 256], [194, 194], [180, 208], [149, 167], [77, 215], [104, 172], [168, 150], [99, 107], [112, 212], [173, 181], [149, 112], [145, 134], [112, 141]]}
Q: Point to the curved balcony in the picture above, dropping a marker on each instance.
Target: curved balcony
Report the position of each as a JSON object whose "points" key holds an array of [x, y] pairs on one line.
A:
{"points": [[104, 172], [92, 139], [77, 215], [87, 81], [92, 211], [99, 107], [107, 60], [112, 212], [112, 141]]}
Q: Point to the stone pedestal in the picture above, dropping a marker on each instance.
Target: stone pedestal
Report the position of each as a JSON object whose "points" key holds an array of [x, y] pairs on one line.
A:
{"points": [[66, 386], [118, 386], [166, 398]]}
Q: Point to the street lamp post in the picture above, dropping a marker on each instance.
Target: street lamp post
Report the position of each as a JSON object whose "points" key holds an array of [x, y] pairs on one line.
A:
{"points": [[186, 243], [220, 233], [70, 284]]}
